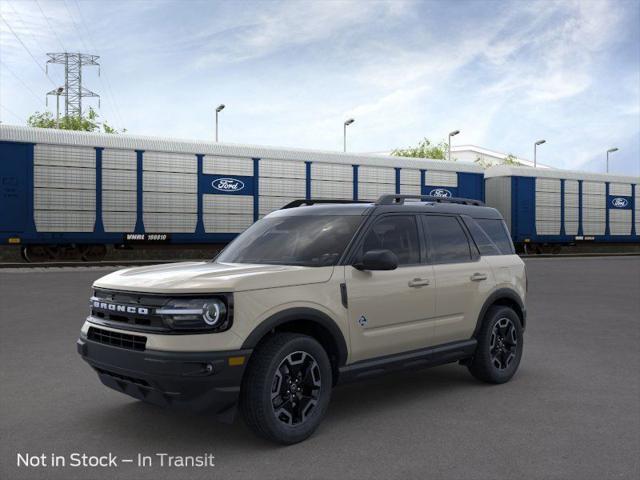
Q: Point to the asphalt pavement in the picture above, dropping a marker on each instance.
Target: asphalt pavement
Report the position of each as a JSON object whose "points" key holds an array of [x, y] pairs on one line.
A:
{"points": [[571, 412]]}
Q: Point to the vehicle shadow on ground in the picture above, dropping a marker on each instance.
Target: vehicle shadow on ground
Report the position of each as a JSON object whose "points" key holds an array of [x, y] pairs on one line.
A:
{"points": [[152, 426]]}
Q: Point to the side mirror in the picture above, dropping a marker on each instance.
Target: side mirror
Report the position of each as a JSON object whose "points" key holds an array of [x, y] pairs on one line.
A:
{"points": [[378, 260]]}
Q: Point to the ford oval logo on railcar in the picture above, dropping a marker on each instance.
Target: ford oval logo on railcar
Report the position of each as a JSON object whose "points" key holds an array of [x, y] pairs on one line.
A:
{"points": [[440, 192], [228, 184], [619, 202]]}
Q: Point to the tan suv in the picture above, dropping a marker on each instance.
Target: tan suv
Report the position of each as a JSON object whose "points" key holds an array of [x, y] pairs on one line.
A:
{"points": [[315, 294]]}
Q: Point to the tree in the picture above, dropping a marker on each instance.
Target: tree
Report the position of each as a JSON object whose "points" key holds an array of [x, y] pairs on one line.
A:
{"points": [[425, 149], [510, 159], [88, 123]]}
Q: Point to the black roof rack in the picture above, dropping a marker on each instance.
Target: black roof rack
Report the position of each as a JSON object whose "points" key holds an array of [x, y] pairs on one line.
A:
{"points": [[316, 201], [399, 199]]}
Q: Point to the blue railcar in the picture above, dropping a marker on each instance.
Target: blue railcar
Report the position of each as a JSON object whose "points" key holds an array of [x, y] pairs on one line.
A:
{"points": [[545, 207], [84, 191]]}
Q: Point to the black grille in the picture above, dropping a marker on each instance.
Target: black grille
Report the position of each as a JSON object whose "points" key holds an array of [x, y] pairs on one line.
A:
{"points": [[124, 319], [117, 376], [117, 339]]}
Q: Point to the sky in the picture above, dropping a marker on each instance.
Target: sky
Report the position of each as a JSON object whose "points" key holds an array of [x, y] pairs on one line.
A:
{"points": [[504, 73]]}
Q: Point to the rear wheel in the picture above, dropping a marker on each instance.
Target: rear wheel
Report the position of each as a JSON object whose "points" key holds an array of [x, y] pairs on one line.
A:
{"points": [[287, 387], [500, 343]]}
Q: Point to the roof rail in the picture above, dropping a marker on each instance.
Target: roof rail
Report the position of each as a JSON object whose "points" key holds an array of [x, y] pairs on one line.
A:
{"points": [[399, 199], [315, 201]]}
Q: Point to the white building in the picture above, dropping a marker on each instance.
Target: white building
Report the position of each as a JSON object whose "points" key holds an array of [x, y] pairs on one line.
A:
{"points": [[470, 153]]}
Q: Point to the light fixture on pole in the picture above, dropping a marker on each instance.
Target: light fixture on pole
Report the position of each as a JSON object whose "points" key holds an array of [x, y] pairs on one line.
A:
{"points": [[611, 150], [59, 91], [451, 134], [218, 110], [535, 152], [344, 136]]}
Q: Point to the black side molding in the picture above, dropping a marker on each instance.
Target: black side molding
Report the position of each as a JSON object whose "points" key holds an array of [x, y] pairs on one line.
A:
{"points": [[424, 357]]}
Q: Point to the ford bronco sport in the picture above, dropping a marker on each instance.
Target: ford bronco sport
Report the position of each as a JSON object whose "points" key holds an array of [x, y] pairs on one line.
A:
{"points": [[315, 294]]}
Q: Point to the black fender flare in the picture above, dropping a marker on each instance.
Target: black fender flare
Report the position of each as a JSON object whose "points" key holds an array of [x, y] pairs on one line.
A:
{"points": [[300, 313], [495, 297]]}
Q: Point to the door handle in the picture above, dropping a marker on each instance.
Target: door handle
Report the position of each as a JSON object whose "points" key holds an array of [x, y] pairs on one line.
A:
{"points": [[477, 277], [419, 282]]}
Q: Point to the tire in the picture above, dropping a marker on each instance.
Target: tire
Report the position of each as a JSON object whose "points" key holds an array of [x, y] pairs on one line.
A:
{"points": [[500, 344], [274, 417]]}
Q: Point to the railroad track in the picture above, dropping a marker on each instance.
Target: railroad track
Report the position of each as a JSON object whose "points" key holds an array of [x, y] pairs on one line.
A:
{"points": [[134, 263]]}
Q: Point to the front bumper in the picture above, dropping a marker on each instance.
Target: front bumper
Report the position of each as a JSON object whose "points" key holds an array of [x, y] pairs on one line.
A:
{"points": [[194, 381]]}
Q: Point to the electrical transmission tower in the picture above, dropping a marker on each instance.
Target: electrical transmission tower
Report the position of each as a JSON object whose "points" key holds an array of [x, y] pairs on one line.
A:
{"points": [[73, 91]]}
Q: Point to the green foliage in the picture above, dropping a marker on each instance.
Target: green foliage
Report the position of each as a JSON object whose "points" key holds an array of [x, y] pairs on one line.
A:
{"points": [[87, 123], [510, 159], [425, 149]]}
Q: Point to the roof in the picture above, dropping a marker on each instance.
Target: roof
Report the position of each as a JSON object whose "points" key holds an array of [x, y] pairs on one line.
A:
{"points": [[367, 208], [136, 142], [510, 171], [493, 153]]}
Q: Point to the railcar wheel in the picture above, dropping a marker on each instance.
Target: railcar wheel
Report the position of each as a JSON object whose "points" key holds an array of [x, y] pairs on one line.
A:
{"points": [[93, 253]]}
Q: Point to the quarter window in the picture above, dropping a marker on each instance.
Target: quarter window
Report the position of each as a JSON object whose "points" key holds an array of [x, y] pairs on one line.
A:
{"points": [[449, 243], [396, 233], [498, 233]]}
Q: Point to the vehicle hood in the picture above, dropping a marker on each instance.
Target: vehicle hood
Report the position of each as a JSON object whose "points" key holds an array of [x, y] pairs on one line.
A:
{"points": [[208, 277]]}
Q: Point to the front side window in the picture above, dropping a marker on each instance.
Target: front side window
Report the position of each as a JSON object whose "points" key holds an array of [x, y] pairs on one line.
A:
{"points": [[397, 233], [449, 243], [312, 241]]}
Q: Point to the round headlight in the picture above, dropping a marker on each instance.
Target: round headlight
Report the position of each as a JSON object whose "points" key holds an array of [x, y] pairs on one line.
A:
{"points": [[213, 312]]}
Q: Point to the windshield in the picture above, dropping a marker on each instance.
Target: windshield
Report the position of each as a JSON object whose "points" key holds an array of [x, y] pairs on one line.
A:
{"points": [[311, 241]]}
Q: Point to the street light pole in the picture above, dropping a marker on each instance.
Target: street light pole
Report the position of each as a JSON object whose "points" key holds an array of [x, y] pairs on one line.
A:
{"points": [[218, 110], [611, 150], [59, 90], [451, 134], [535, 152], [344, 134]]}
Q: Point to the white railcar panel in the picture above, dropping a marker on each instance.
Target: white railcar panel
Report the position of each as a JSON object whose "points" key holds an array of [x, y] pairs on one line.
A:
{"points": [[368, 174], [64, 199], [571, 228], [571, 200], [119, 180], [270, 204], [119, 201], [282, 169], [440, 178], [336, 190], [594, 201], [594, 188], [169, 182], [169, 162], [64, 221], [547, 213], [571, 186], [371, 191], [548, 227], [637, 208], [119, 221], [228, 204], [549, 199], [411, 189], [162, 202], [169, 222], [276, 187], [215, 223], [593, 228], [571, 214], [213, 164], [547, 185], [331, 171], [64, 177], [119, 159], [620, 222], [64, 156], [409, 176], [594, 214], [620, 189]]}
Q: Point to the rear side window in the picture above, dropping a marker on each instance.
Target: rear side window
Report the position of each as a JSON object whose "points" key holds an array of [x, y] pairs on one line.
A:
{"points": [[497, 231], [449, 243]]}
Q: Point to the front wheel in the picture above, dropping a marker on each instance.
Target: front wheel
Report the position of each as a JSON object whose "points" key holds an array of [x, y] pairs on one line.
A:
{"points": [[500, 344], [286, 389]]}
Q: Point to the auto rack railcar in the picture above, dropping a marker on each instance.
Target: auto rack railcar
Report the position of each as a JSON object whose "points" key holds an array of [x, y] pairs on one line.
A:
{"points": [[550, 208], [79, 190]]}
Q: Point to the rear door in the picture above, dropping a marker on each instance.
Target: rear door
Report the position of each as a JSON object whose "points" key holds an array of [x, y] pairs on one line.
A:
{"points": [[14, 166], [462, 277]]}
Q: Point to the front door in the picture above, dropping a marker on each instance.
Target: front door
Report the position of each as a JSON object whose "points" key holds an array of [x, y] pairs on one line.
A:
{"points": [[391, 311]]}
